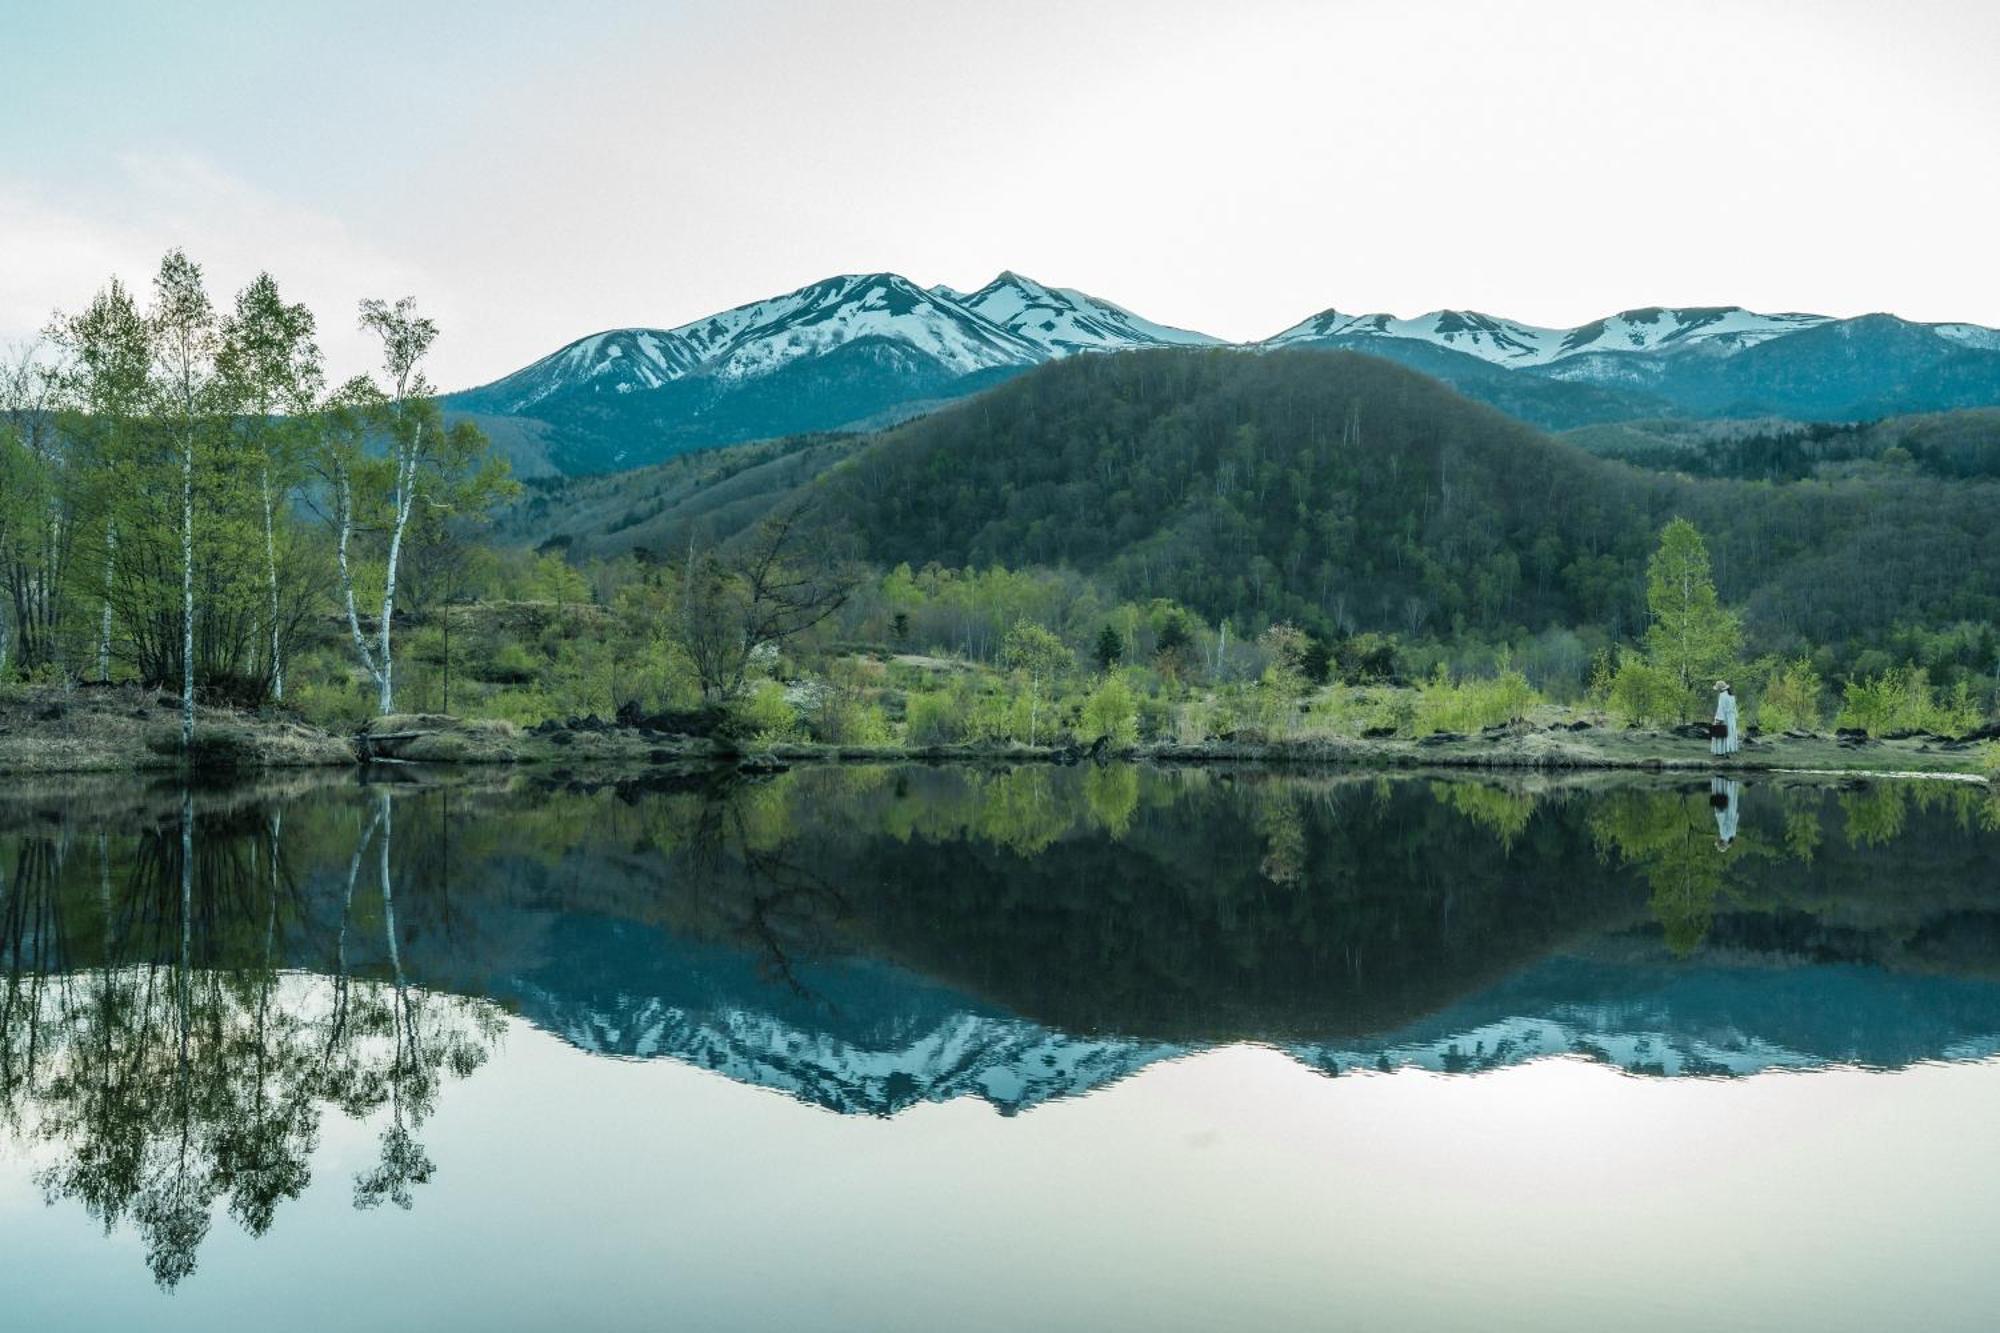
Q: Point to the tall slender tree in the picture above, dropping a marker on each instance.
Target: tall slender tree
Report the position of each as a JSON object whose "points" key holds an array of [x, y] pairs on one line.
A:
{"points": [[379, 489], [104, 376], [186, 339], [273, 371]]}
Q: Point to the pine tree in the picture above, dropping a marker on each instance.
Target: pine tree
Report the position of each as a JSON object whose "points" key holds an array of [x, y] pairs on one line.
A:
{"points": [[1692, 637], [1110, 648]]}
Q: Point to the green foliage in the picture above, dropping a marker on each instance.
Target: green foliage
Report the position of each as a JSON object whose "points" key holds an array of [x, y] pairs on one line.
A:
{"points": [[1791, 697], [1902, 699], [929, 718], [1445, 705], [1638, 693], [1692, 637], [1368, 658], [763, 713], [1110, 648], [1111, 712]]}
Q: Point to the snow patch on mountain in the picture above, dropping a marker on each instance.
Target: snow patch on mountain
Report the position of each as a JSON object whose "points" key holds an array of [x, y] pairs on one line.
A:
{"points": [[1507, 343], [1009, 1063], [1062, 320]]}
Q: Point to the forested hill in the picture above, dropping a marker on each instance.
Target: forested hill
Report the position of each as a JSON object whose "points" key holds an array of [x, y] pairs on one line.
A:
{"points": [[1327, 487]]}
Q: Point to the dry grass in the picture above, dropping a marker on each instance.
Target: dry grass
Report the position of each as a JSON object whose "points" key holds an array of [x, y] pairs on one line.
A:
{"points": [[89, 729]]}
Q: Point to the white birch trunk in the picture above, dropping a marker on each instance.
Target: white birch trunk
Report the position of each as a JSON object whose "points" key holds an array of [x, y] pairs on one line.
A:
{"points": [[344, 502], [104, 622], [406, 485], [271, 579], [187, 591]]}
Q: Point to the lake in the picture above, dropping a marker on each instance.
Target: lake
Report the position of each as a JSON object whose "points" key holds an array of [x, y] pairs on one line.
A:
{"points": [[1052, 1048]]}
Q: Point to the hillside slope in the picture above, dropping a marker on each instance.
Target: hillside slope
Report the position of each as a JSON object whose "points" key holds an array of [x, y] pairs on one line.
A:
{"points": [[1335, 489]]}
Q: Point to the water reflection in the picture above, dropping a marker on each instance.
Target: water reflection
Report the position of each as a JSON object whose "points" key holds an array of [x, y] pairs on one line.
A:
{"points": [[194, 981]]}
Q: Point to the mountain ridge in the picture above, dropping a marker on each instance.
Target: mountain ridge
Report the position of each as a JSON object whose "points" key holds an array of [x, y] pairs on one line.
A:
{"points": [[861, 350]]}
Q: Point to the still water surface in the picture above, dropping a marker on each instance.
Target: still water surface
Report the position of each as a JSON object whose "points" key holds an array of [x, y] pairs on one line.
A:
{"points": [[914, 1048]]}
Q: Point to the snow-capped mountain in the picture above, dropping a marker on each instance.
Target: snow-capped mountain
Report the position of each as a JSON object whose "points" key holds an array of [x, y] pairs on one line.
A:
{"points": [[1504, 342], [863, 351], [763, 337], [1062, 320], [853, 351]]}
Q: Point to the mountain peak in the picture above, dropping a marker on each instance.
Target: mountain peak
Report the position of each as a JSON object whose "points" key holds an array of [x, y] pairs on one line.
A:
{"points": [[1063, 320]]}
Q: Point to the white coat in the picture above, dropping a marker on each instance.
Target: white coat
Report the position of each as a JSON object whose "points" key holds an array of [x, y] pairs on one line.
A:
{"points": [[1725, 713]]}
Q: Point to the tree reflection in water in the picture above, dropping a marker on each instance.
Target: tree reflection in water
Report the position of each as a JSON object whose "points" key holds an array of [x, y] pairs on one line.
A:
{"points": [[153, 1039]]}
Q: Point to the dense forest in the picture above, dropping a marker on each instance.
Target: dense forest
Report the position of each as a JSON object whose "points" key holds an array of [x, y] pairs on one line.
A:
{"points": [[1344, 494]]}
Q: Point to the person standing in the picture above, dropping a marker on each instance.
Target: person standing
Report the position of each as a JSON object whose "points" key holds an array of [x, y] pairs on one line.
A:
{"points": [[1728, 739]]}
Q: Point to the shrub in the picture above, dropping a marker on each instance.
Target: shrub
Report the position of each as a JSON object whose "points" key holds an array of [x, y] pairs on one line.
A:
{"points": [[765, 715], [1111, 713], [931, 719], [1901, 699], [1640, 694], [1790, 700], [1460, 706], [1367, 658]]}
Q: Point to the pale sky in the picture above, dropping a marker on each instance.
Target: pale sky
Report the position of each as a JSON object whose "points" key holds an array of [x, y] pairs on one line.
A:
{"points": [[536, 172]]}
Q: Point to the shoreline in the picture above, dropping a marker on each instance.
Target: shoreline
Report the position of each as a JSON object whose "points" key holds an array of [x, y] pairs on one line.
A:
{"points": [[123, 731]]}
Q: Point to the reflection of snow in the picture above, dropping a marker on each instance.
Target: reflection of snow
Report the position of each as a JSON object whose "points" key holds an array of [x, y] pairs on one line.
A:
{"points": [[1009, 1063]]}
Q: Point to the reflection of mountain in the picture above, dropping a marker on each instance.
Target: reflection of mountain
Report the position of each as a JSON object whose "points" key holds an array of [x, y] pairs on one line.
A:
{"points": [[1661, 1018], [853, 1037], [869, 1039]]}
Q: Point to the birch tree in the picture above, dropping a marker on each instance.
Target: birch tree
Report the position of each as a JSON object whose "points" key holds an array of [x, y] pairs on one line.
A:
{"points": [[384, 453], [186, 340], [107, 358], [273, 368], [32, 529]]}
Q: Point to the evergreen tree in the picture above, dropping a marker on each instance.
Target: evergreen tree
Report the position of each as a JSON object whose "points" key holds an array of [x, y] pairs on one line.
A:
{"points": [[1110, 648]]}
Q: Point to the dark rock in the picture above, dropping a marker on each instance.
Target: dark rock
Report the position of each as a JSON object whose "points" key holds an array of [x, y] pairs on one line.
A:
{"points": [[1378, 733]]}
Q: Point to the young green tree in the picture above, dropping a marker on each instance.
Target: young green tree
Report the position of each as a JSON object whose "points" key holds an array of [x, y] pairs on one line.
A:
{"points": [[272, 368], [1042, 657], [1692, 637]]}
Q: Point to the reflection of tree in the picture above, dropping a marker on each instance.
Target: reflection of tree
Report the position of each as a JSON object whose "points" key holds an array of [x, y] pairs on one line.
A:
{"points": [[1111, 794], [1501, 812], [1281, 824], [150, 1032], [1670, 838]]}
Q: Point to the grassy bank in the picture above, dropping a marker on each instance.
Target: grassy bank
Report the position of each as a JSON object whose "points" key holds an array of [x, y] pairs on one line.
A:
{"points": [[114, 730]]}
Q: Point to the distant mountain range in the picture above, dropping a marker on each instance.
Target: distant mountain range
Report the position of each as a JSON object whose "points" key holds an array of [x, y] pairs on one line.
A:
{"points": [[866, 350]]}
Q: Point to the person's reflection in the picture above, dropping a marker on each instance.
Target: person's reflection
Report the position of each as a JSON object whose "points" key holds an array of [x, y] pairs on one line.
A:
{"points": [[1725, 798]]}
